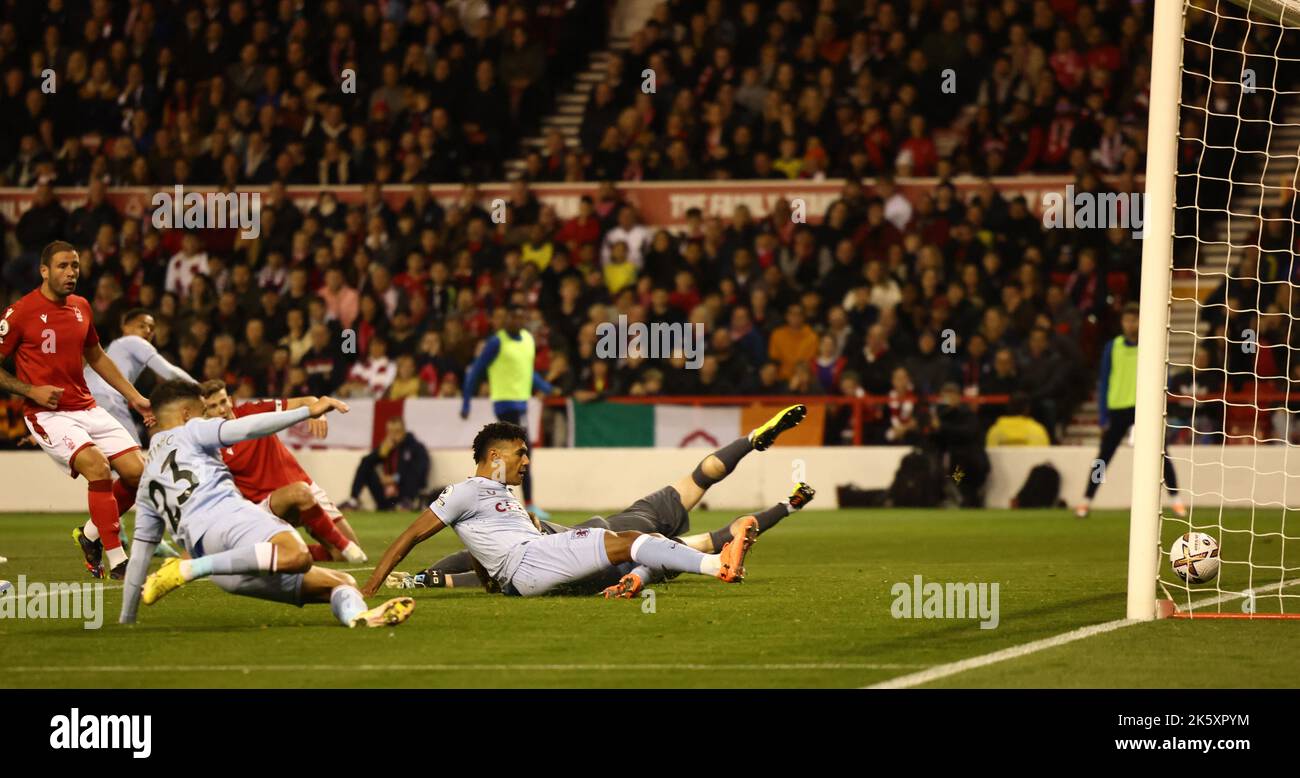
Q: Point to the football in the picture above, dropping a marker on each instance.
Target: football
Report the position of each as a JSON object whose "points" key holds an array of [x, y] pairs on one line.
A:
{"points": [[1195, 557]]}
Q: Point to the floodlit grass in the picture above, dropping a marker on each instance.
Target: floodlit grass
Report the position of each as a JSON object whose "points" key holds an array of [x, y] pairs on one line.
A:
{"points": [[814, 612]]}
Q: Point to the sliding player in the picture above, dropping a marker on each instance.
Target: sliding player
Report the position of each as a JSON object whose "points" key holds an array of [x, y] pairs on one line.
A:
{"points": [[268, 474], [524, 561], [459, 570], [50, 331], [244, 549]]}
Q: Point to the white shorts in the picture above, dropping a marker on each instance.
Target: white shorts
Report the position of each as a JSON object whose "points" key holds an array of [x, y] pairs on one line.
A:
{"points": [[553, 560], [118, 409], [322, 499], [63, 434]]}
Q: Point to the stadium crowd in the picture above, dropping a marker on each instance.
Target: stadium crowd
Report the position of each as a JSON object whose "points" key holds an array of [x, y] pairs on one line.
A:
{"points": [[882, 295]]}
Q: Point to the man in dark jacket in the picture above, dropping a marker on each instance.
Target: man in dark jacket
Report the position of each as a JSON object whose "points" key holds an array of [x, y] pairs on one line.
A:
{"points": [[958, 436], [395, 473]]}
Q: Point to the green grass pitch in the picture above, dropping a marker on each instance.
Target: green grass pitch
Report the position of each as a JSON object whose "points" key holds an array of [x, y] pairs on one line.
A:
{"points": [[814, 612]]}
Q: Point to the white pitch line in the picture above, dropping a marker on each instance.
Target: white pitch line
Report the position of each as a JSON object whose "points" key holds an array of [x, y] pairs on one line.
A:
{"points": [[1015, 652], [454, 667]]}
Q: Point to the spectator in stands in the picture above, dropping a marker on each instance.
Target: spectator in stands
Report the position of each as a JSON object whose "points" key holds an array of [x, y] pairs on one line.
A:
{"points": [[395, 473], [407, 383], [929, 368], [633, 235], [874, 364], [372, 376], [902, 425], [1002, 381], [829, 91], [793, 343], [1043, 377]]}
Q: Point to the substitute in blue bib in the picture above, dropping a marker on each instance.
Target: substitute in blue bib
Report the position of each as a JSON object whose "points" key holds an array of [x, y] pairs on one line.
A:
{"points": [[507, 359]]}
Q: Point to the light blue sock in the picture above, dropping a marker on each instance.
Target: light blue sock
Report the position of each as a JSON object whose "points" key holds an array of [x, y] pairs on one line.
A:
{"points": [[656, 552], [648, 575], [347, 604], [250, 560]]}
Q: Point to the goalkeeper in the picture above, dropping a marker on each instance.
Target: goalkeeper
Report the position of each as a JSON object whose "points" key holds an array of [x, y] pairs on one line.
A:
{"points": [[1116, 402]]}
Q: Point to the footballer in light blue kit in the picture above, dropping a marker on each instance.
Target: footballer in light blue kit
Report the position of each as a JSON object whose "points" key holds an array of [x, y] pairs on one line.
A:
{"points": [[132, 353], [524, 560], [245, 550]]}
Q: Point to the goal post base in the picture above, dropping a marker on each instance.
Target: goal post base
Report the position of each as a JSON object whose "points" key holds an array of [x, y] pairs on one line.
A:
{"points": [[1166, 609]]}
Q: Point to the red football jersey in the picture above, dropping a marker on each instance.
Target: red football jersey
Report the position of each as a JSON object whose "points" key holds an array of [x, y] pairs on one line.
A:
{"points": [[262, 465], [47, 341]]}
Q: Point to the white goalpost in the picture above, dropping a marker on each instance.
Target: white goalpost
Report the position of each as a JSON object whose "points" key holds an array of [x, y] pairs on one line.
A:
{"points": [[1220, 310]]}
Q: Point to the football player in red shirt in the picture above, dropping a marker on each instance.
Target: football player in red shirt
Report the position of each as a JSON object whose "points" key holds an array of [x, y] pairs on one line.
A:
{"points": [[49, 332], [268, 474]]}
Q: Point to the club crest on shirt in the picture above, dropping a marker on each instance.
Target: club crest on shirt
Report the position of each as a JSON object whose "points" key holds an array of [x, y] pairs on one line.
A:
{"points": [[75, 312]]}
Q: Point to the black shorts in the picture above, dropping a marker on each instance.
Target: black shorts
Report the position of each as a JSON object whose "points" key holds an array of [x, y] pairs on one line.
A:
{"points": [[660, 512]]}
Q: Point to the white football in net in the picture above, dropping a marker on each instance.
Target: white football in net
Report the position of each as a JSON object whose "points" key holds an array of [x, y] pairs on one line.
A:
{"points": [[1195, 557]]}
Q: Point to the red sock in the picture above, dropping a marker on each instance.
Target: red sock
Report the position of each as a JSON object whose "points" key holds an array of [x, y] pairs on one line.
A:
{"points": [[103, 512], [322, 527], [124, 495], [318, 552]]}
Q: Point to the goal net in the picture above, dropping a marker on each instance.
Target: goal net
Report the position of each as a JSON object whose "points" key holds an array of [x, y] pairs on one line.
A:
{"points": [[1225, 403]]}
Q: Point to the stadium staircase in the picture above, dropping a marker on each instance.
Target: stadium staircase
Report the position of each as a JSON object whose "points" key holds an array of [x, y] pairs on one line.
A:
{"points": [[1232, 233], [570, 105], [1213, 257]]}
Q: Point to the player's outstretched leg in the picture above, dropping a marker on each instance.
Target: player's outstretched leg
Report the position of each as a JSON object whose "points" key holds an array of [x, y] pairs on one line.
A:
{"points": [[283, 553], [721, 463], [764, 435], [712, 542], [321, 584], [653, 551]]}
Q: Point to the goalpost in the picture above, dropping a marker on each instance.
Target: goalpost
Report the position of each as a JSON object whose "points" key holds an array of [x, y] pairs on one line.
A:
{"points": [[1219, 310]]}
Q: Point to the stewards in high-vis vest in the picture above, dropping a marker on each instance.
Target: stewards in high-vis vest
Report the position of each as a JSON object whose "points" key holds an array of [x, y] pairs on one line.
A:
{"points": [[1116, 403], [507, 359]]}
